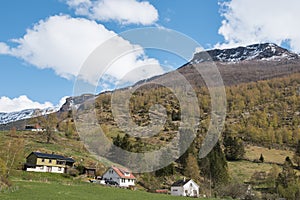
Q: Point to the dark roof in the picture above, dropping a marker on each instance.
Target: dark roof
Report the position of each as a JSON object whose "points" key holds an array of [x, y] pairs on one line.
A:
{"points": [[180, 183], [52, 156]]}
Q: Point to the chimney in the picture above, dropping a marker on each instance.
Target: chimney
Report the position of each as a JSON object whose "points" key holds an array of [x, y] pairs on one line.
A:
{"points": [[183, 179], [52, 152]]}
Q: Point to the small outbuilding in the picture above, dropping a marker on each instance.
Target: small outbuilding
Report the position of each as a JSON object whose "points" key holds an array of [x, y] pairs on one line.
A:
{"points": [[185, 187]]}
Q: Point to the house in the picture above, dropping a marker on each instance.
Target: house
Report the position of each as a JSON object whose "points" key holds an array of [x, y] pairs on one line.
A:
{"points": [[35, 127], [44, 162], [185, 187], [121, 176], [89, 171]]}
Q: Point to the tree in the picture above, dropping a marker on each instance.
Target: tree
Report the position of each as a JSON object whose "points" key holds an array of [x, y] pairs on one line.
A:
{"points": [[261, 158], [296, 156], [288, 185], [11, 155], [168, 170], [117, 141], [214, 166], [49, 123], [125, 144], [234, 148], [192, 169]]}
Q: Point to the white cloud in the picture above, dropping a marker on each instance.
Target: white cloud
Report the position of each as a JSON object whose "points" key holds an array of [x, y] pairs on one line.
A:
{"points": [[123, 11], [4, 49], [62, 101], [23, 102], [20, 103], [63, 44], [253, 21]]}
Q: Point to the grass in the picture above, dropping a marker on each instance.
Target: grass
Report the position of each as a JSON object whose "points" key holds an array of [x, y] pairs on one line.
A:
{"points": [[270, 155], [243, 170], [35, 141], [37, 190]]}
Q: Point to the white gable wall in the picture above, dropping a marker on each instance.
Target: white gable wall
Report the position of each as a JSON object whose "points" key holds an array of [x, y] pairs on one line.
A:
{"points": [[112, 175], [189, 189]]}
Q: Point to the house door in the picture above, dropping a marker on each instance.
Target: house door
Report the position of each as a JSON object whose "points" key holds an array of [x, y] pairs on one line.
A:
{"points": [[195, 193], [49, 169]]}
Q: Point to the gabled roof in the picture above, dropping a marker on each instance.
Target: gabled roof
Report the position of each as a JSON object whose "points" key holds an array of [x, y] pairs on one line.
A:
{"points": [[52, 156], [180, 183], [121, 172]]}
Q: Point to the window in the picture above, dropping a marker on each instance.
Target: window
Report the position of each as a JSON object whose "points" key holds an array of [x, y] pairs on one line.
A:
{"points": [[50, 161], [43, 160], [41, 167], [59, 169], [60, 162], [186, 191], [191, 184], [175, 190], [123, 180]]}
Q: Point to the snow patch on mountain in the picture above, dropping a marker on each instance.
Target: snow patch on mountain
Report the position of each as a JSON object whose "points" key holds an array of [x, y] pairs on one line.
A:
{"points": [[264, 52], [25, 114]]}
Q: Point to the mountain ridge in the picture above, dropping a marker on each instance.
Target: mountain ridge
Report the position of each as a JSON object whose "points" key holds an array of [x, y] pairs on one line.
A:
{"points": [[236, 65], [263, 51]]}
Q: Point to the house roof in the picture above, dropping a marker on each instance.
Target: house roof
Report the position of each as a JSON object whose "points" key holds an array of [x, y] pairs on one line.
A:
{"points": [[52, 156], [180, 182], [121, 172]]}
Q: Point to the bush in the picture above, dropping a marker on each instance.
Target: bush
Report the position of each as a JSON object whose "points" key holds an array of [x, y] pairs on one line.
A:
{"points": [[73, 172], [80, 169]]}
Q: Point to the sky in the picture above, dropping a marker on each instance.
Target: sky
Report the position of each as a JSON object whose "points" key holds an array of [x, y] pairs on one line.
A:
{"points": [[43, 44]]}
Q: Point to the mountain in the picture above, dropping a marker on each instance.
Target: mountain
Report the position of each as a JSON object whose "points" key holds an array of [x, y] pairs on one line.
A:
{"points": [[264, 52], [25, 114], [236, 65]]}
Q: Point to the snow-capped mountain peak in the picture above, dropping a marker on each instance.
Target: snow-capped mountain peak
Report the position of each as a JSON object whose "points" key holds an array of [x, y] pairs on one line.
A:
{"points": [[266, 51], [25, 114]]}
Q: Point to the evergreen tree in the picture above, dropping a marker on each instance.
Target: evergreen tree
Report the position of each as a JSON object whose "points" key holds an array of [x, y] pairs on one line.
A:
{"points": [[168, 170], [117, 141], [261, 158], [214, 166], [288, 185], [125, 144], [234, 149], [296, 157]]}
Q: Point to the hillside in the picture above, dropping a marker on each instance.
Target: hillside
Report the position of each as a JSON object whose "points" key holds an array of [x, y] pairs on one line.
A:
{"points": [[262, 92]]}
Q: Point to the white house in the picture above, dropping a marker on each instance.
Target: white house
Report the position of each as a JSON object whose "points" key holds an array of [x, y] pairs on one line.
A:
{"points": [[122, 176], [185, 187]]}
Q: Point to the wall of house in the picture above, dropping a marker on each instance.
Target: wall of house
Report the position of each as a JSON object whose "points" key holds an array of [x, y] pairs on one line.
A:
{"points": [[126, 182], [51, 169], [191, 188], [112, 175], [48, 162], [177, 191]]}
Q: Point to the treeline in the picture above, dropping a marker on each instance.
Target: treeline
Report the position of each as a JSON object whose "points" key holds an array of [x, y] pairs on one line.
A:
{"points": [[265, 112]]}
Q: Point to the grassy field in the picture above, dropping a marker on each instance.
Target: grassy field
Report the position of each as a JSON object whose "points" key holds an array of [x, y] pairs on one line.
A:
{"points": [[243, 170], [270, 155], [37, 190]]}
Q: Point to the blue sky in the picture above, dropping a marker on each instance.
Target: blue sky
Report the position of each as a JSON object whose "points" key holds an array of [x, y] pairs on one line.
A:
{"points": [[39, 64]]}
